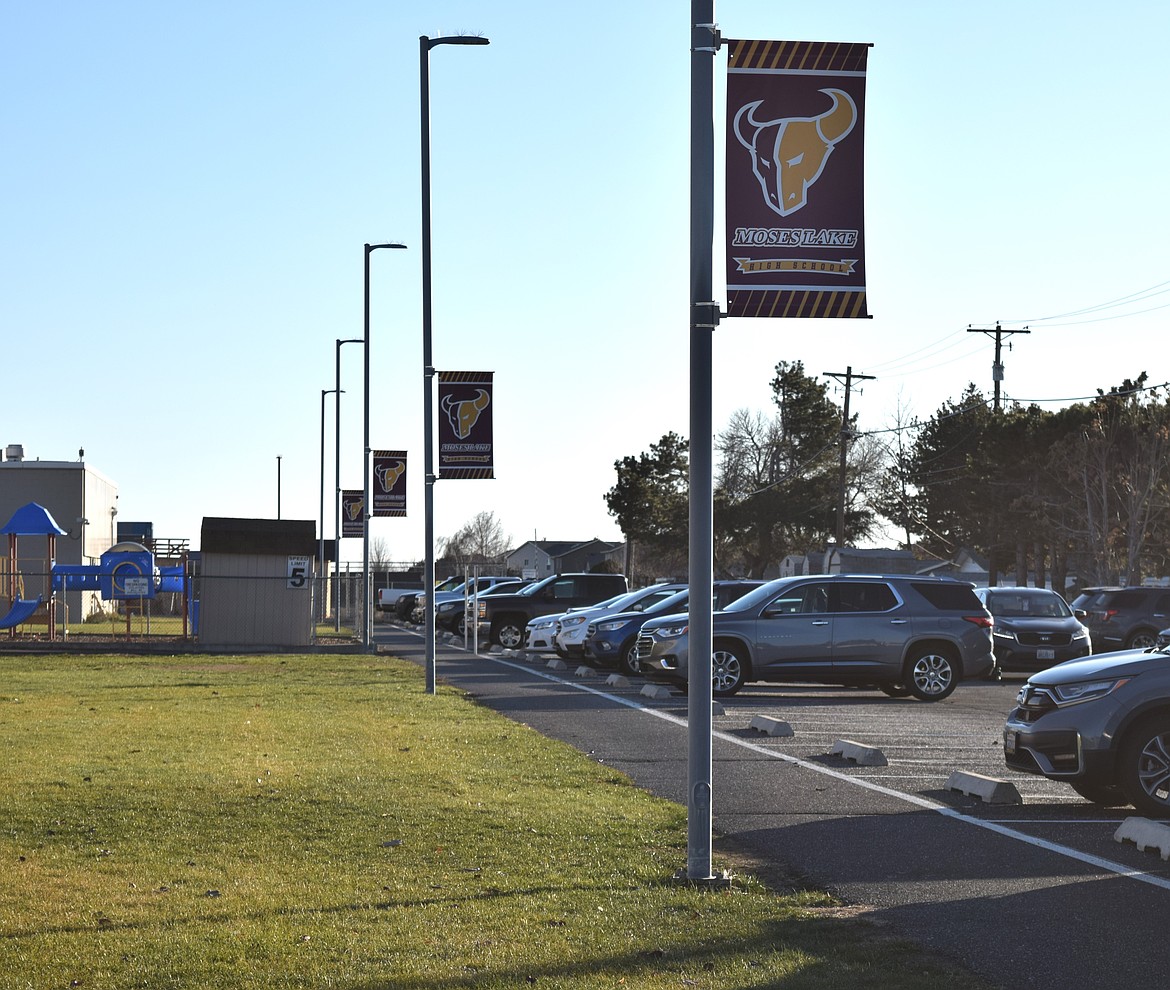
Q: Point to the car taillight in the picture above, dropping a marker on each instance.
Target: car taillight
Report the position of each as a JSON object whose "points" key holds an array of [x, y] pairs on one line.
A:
{"points": [[1108, 614], [985, 621]]}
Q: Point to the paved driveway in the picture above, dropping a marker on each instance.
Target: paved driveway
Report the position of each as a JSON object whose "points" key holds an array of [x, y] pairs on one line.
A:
{"points": [[1034, 895]]}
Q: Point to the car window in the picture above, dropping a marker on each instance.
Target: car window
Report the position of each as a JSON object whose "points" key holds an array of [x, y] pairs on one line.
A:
{"points": [[948, 596], [864, 596], [801, 599]]}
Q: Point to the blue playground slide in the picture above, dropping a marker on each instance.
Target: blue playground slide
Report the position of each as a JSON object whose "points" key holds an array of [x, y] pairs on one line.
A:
{"points": [[21, 609]]}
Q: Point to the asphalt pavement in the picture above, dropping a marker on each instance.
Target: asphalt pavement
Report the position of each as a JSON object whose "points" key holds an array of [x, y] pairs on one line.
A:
{"points": [[1000, 897]]}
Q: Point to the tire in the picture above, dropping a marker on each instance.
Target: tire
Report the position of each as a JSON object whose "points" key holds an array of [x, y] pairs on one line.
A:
{"points": [[931, 673], [1144, 767], [895, 690], [1106, 795], [628, 658], [1141, 639], [508, 633], [729, 670]]}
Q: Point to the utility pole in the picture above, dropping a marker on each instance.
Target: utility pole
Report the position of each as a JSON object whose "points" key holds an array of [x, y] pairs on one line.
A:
{"points": [[846, 378], [997, 365]]}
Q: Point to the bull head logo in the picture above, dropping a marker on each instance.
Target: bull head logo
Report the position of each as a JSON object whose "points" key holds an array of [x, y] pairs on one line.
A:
{"points": [[789, 154], [354, 509], [464, 413], [388, 476]]}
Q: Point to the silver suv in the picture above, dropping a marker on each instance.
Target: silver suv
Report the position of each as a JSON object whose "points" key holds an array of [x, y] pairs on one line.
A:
{"points": [[906, 635], [1101, 725]]}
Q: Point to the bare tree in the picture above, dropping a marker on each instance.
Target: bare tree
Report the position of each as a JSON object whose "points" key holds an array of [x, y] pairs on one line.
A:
{"points": [[481, 540]]}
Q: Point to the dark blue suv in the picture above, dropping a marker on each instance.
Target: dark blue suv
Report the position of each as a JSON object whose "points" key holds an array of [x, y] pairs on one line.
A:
{"points": [[612, 641]]}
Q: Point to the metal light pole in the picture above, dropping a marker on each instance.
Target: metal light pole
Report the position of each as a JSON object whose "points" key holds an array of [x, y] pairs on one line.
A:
{"points": [[321, 531], [370, 248], [278, 486], [337, 478], [704, 320], [425, 45]]}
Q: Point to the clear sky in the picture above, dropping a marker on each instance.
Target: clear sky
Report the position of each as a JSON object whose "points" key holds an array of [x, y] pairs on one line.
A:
{"points": [[187, 189]]}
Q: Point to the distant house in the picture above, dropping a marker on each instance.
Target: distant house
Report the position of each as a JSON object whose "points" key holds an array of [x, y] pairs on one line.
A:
{"points": [[539, 558]]}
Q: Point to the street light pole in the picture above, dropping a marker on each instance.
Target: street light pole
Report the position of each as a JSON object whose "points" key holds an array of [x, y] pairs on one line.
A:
{"points": [[321, 532], [337, 479], [278, 486], [366, 639], [425, 45]]}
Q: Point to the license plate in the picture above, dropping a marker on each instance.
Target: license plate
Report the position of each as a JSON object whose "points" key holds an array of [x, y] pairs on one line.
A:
{"points": [[1009, 741], [1046, 654]]}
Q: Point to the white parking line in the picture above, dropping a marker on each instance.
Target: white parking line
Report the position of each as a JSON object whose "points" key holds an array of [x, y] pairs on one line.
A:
{"points": [[996, 826]]}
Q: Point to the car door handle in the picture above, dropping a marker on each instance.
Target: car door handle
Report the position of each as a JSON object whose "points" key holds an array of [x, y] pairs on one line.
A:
{"points": [[820, 622], [898, 622]]}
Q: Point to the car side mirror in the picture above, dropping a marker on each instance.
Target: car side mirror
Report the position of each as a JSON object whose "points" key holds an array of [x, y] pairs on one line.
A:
{"points": [[1080, 614]]}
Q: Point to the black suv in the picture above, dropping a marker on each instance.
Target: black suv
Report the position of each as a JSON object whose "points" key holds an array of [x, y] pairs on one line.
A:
{"points": [[1101, 725], [1124, 618], [503, 617], [906, 635]]}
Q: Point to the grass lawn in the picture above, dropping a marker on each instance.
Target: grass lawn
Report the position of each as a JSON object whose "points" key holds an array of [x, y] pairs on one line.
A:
{"points": [[321, 821]]}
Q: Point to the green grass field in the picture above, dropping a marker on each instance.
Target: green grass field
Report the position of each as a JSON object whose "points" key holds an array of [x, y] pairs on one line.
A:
{"points": [[321, 821]]}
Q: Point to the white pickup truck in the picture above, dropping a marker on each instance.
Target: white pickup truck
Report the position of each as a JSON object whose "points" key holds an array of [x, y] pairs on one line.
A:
{"points": [[388, 597]]}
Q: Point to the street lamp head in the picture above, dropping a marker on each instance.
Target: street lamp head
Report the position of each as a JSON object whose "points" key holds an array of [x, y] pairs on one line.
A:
{"points": [[455, 39], [392, 244]]}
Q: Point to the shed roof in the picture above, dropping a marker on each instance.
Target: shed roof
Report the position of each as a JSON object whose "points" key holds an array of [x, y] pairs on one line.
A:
{"points": [[258, 536]]}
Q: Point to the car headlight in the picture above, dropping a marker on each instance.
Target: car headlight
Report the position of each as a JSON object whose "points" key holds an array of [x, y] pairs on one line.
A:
{"points": [[449, 606], [609, 626], [574, 620], [1000, 634], [1072, 694], [1080, 634], [674, 629]]}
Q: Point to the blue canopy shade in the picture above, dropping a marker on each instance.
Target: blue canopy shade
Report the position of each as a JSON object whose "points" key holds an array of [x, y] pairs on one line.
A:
{"points": [[33, 520]]}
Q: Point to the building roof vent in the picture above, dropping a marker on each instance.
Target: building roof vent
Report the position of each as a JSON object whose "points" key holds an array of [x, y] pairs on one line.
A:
{"points": [[14, 452]]}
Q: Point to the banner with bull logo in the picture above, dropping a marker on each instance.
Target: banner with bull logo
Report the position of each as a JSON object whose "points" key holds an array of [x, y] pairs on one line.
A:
{"points": [[465, 425], [795, 171], [389, 495], [353, 512]]}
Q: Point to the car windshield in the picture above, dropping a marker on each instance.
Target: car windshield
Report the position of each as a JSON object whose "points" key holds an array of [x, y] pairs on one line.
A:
{"points": [[1017, 604]]}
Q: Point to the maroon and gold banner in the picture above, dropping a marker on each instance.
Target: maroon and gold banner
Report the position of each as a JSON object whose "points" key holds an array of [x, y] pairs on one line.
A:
{"points": [[389, 495], [465, 425], [795, 179], [353, 515]]}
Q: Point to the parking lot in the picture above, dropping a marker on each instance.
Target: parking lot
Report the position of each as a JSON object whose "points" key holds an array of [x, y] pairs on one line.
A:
{"points": [[923, 745]]}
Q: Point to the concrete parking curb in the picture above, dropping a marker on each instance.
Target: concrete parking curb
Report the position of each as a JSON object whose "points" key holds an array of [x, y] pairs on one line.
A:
{"points": [[1146, 835], [557, 664], [987, 789], [863, 756], [584, 671], [656, 691], [617, 680], [770, 726]]}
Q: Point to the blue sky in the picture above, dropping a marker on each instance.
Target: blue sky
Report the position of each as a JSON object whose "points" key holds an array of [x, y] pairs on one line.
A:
{"points": [[187, 189]]}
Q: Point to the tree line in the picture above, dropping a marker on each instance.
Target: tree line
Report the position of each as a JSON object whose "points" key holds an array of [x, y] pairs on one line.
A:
{"points": [[1079, 494]]}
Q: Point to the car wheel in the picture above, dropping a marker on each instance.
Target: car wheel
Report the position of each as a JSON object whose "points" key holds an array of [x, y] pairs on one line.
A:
{"points": [[628, 658], [1145, 767], [508, 634], [1106, 795], [895, 690], [1141, 639], [728, 671], [930, 674]]}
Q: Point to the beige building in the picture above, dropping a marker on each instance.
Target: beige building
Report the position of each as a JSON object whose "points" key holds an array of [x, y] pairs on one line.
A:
{"points": [[82, 501]]}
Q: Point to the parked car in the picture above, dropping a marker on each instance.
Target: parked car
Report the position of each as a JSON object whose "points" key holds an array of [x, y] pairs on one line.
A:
{"points": [[502, 618], [612, 640], [573, 627], [1100, 725], [1124, 618], [406, 604], [450, 606], [905, 634], [1034, 629]]}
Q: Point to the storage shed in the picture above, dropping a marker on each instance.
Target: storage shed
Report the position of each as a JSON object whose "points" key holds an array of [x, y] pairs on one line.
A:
{"points": [[255, 586]]}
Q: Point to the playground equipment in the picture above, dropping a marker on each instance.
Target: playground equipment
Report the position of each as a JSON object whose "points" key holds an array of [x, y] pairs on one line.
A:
{"points": [[29, 520], [126, 572]]}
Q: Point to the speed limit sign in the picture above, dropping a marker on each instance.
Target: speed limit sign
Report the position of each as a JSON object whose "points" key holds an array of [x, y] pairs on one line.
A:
{"points": [[298, 572]]}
